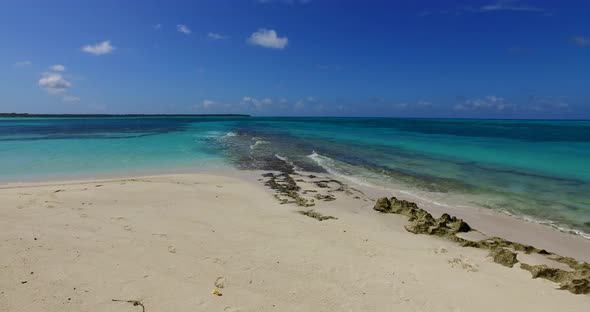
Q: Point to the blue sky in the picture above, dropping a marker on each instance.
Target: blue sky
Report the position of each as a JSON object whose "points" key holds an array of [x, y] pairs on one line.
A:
{"points": [[490, 59]]}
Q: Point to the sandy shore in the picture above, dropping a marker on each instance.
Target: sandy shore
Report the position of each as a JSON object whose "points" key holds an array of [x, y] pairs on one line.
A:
{"points": [[169, 241]]}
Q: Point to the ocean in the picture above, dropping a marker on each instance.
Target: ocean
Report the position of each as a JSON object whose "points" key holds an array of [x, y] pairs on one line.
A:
{"points": [[537, 170]]}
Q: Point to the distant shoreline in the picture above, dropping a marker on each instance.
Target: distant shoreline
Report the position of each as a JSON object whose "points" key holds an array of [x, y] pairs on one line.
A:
{"points": [[25, 115]]}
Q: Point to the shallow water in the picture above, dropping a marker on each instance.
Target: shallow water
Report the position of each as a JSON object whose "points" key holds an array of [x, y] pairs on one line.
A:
{"points": [[537, 169]]}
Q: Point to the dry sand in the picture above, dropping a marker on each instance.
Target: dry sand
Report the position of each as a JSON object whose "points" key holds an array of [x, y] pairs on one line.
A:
{"points": [[168, 240]]}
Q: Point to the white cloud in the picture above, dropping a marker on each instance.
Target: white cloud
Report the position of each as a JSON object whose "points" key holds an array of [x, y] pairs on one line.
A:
{"points": [[582, 41], [508, 5], [300, 104], [285, 1], [208, 104], [549, 103], [256, 103], [496, 6], [54, 83], [419, 104], [183, 29], [23, 63], [99, 48], [268, 38], [58, 68], [157, 26], [423, 103], [490, 102], [216, 36], [71, 99]]}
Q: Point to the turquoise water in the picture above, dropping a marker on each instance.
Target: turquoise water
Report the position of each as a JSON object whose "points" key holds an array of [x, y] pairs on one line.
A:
{"points": [[538, 169]]}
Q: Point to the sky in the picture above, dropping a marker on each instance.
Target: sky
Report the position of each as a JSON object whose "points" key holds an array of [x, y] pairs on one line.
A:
{"points": [[464, 59]]}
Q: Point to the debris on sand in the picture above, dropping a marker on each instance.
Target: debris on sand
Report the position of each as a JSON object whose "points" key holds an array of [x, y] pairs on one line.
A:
{"points": [[135, 303]]}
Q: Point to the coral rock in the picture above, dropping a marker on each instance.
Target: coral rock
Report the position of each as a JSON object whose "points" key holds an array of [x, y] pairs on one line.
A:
{"points": [[382, 205], [504, 257]]}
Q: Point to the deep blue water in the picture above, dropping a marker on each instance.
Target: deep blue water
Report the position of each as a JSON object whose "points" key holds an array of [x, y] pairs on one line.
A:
{"points": [[539, 169]]}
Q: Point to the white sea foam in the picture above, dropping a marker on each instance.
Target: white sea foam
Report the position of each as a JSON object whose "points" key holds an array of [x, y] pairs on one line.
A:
{"points": [[281, 157], [209, 135], [286, 160], [330, 165], [258, 143], [553, 224]]}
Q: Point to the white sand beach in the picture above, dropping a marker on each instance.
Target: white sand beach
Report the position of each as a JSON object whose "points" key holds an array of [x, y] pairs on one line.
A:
{"points": [[170, 241]]}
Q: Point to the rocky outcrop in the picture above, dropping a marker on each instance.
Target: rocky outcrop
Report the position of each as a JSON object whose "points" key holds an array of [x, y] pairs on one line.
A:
{"points": [[382, 205], [284, 185], [576, 281], [504, 257], [502, 251], [496, 242], [422, 222]]}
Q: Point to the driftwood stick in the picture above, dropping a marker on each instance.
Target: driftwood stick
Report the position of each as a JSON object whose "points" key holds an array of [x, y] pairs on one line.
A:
{"points": [[133, 302]]}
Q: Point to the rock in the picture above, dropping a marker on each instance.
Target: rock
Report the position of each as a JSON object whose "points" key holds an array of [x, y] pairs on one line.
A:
{"points": [[284, 185], [403, 207], [418, 227], [577, 282], [422, 222], [577, 286], [328, 197], [382, 205], [316, 215], [495, 242], [504, 257], [543, 271], [459, 226], [300, 201]]}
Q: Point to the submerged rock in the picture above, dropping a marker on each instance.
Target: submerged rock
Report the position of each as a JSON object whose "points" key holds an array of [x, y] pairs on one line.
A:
{"points": [[504, 257]]}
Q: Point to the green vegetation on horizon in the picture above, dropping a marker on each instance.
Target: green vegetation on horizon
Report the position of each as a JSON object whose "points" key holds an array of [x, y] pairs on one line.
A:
{"points": [[20, 115]]}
